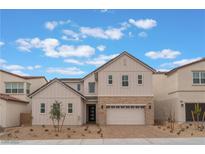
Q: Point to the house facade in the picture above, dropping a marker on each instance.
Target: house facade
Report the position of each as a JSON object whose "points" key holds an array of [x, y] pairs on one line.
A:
{"points": [[176, 92], [119, 92], [13, 96]]}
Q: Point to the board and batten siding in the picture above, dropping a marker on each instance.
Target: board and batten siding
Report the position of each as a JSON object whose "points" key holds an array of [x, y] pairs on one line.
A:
{"points": [[60, 93], [119, 68], [90, 78]]}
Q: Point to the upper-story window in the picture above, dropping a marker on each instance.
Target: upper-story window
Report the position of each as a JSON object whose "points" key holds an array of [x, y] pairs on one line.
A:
{"points": [[199, 77], [139, 79], [125, 82], [14, 87], [109, 79], [78, 87], [28, 85], [42, 108], [91, 86]]}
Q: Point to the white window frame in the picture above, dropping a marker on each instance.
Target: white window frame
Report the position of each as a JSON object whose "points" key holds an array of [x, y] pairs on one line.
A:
{"points": [[108, 79], [70, 107], [200, 77], [44, 108], [123, 80], [78, 87], [89, 88], [140, 79], [17, 87]]}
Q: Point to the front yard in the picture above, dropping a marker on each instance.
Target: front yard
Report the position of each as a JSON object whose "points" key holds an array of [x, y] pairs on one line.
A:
{"points": [[95, 132]]}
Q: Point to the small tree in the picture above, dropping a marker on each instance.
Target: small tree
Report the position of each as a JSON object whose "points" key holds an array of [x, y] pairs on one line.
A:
{"points": [[57, 115], [197, 112]]}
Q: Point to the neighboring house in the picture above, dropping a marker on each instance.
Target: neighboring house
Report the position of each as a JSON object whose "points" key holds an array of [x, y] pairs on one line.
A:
{"points": [[176, 92], [119, 92], [13, 96]]}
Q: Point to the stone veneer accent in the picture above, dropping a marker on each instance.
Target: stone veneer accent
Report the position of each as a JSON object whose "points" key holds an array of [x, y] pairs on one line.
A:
{"points": [[103, 100]]}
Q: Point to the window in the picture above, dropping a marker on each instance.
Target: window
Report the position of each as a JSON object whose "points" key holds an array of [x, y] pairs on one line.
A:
{"points": [[42, 108], [198, 77], [70, 108], [139, 79], [14, 87], [91, 86], [28, 88], [78, 86], [125, 81], [109, 79]]}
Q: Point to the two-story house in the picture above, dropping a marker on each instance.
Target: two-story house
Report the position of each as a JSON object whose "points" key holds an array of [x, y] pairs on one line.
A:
{"points": [[176, 92], [119, 92], [13, 96]]}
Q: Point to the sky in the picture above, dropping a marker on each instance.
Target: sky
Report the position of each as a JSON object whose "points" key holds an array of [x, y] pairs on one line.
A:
{"points": [[72, 43]]}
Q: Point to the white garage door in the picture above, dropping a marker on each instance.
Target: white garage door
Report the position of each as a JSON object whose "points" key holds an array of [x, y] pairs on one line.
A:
{"points": [[125, 114]]}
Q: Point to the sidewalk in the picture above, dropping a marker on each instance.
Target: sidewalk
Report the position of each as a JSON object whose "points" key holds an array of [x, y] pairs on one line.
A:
{"points": [[128, 141]]}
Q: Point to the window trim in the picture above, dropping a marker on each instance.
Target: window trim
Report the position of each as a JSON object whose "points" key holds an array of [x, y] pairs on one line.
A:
{"points": [[69, 108], [108, 79], [44, 108], [89, 88], [17, 88], [140, 79], [123, 81], [78, 87], [200, 78]]}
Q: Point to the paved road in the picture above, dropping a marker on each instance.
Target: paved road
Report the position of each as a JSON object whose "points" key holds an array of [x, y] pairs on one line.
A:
{"points": [[139, 141]]}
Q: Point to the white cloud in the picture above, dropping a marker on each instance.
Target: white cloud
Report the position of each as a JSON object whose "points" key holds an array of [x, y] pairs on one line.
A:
{"points": [[101, 47], [19, 72], [110, 33], [101, 59], [163, 54], [143, 23], [2, 61], [52, 48], [70, 35], [51, 25], [180, 62], [13, 67], [142, 34], [104, 10], [33, 67], [73, 61], [65, 71], [2, 43]]}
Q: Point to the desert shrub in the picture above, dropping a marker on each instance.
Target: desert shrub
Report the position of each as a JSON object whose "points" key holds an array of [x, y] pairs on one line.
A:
{"points": [[1, 129], [101, 135], [89, 131], [56, 135], [86, 128], [192, 134], [17, 131], [46, 130], [31, 130], [43, 126], [99, 131], [82, 134], [74, 131], [68, 136], [183, 129], [187, 127], [68, 128]]}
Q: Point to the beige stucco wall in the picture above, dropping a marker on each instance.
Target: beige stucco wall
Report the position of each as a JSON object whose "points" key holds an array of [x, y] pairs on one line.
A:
{"points": [[57, 91], [10, 113], [132, 69], [74, 85]]}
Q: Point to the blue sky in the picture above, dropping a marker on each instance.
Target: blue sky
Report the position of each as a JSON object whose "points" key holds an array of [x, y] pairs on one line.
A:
{"points": [[72, 43]]}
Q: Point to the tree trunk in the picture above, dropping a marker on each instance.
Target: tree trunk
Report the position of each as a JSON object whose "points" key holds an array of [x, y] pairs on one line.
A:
{"points": [[62, 123]]}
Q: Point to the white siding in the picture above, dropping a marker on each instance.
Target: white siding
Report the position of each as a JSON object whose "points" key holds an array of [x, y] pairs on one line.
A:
{"points": [[58, 92], [2, 113], [132, 69]]}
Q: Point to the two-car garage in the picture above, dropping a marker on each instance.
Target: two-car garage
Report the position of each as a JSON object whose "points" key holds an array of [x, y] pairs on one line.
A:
{"points": [[121, 114]]}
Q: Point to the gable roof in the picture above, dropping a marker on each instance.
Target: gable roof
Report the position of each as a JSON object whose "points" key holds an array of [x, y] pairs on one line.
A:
{"points": [[177, 68], [117, 57], [51, 82], [24, 77], [10, 98]]}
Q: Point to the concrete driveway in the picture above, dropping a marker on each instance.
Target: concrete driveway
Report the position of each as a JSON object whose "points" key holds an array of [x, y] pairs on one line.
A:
{"points": [[128, 141]]}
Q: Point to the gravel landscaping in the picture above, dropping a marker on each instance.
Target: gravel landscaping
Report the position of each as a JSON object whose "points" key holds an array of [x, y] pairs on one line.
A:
{"points": [[97, 132]]}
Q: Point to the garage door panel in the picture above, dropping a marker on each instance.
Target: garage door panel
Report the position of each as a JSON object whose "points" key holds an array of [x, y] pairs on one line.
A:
{"points": [[124, 116]]}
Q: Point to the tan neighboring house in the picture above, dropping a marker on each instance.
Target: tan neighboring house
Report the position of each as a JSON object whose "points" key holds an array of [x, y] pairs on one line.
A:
{"points": [[120, 92], [13, 96], [176, 92]]}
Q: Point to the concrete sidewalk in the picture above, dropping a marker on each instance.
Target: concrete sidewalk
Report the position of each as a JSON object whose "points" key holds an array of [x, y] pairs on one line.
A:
{"points": [[128, 141]]}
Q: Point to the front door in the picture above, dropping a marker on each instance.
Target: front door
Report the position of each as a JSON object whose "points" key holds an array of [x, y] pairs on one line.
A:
{"points": [[91, 113]]}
